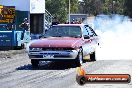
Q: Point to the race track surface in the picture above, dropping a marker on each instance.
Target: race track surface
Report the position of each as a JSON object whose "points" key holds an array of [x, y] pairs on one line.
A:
{"points": [[16, 72]]}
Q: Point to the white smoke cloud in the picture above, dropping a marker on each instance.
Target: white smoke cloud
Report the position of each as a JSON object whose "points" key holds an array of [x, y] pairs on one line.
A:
{"points": [[116, 35]]}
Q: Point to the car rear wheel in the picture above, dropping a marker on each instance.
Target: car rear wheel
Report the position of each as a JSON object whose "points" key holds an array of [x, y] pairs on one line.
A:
{"points": [[79, 59], [92, 56], [34, 62]]}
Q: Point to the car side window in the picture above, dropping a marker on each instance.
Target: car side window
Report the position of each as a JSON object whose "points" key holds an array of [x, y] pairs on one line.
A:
{"points": [[91, 32], [85, 31]]}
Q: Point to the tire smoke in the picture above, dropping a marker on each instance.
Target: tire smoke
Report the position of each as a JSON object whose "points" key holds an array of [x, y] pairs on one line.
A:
{"points": [[115, 33]]}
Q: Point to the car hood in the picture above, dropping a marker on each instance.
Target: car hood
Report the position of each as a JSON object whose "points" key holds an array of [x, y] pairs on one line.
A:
{"points": [[57, 42]]}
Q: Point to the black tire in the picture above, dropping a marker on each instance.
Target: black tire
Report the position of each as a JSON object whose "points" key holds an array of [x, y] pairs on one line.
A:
{"points": [[81, 80], [34, 62], [93, 57], [79, 59]]}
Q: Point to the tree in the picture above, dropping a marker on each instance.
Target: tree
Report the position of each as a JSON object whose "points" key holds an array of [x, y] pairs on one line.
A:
{"points": [[113, 6], [104, 6], [92, 7], [59, 8], [74, 5], [128, 9]]}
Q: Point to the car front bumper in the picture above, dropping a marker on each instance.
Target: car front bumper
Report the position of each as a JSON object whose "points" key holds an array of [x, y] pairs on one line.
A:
{"points": [[53, 55]]}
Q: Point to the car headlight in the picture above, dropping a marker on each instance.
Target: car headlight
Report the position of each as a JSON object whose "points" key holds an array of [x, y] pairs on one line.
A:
{"points": [[35, 49]]}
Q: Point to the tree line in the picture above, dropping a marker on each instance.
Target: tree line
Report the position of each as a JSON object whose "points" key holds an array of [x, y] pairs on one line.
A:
{"points": [[60, 8]]}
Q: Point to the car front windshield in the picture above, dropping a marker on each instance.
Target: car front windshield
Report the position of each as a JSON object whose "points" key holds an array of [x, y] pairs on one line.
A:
{"points": [[64, 31]]}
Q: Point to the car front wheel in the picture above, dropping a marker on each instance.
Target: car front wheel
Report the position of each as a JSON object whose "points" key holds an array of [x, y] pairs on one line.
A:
{"points": [[79, 59], [34, 62], [92, 56]]}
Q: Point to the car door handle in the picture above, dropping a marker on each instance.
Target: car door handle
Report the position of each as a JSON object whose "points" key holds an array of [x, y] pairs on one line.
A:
{"points": [[90, 40]]}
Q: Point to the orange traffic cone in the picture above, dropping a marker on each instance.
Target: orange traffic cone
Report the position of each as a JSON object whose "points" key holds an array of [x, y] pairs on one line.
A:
{"points": [[81, 71]]}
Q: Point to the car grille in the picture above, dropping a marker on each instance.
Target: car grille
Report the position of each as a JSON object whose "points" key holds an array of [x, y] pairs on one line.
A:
{"points": [[56, 49]]}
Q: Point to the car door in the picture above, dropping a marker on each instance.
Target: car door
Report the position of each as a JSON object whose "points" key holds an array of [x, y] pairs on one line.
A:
{"points": [[87, 41], [93, 38]]}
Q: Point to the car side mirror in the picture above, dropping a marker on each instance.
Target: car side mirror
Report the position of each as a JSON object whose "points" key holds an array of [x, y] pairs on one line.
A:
{"points": [[86, 36]]}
